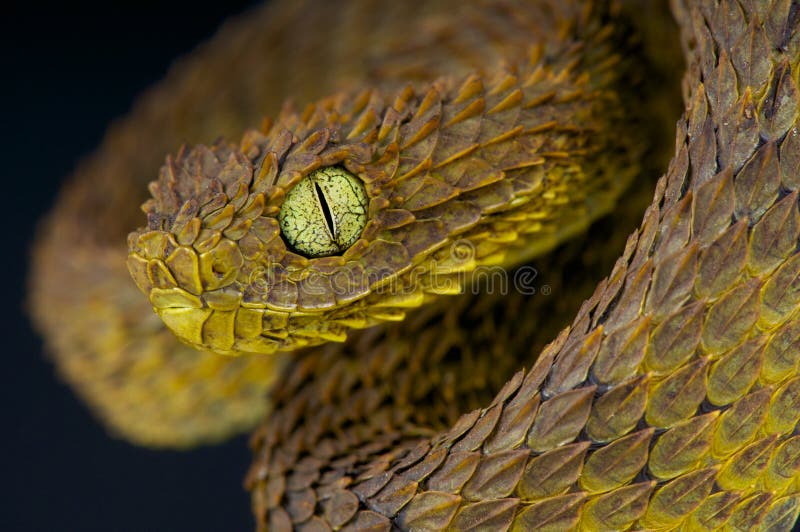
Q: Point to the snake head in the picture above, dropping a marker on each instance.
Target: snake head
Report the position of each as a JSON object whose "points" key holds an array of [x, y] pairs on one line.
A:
{"points": [[293, 236], [243, 241], [361, 207]]}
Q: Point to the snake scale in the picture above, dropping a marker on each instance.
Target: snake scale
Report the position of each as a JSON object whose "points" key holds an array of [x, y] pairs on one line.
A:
{"points": [[417, 394]]}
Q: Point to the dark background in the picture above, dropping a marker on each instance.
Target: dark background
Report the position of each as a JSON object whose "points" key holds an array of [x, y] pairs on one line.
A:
{"points": [[66, 72]]}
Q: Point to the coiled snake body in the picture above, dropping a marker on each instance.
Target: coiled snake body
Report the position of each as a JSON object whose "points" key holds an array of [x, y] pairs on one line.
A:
{"points": [[485, 137]]}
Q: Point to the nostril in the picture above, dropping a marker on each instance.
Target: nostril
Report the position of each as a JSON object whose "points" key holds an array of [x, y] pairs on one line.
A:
{"points": [[218, 269]]}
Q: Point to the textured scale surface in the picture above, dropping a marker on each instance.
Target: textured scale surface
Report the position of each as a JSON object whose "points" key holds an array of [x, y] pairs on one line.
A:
{"points": [[670, 401]]}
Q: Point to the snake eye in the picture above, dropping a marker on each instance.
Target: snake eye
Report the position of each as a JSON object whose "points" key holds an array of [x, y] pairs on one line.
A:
{"points": [[324, 213]]}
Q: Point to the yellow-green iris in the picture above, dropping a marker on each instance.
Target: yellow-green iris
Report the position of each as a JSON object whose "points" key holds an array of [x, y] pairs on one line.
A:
{"points": [[324, 213]]}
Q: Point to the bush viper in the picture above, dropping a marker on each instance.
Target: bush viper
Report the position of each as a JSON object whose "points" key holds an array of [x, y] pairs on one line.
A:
{"points": [[484, 137]]}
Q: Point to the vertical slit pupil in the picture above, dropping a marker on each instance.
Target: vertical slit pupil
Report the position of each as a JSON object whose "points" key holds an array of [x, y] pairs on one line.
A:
{"points": [[326, 210]]}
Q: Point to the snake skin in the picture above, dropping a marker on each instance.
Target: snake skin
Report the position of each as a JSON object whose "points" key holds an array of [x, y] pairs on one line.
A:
{"points": [[670, 402]]}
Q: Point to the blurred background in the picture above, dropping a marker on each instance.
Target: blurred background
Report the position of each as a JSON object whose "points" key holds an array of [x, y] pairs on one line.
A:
{"points": [[67, 72]]}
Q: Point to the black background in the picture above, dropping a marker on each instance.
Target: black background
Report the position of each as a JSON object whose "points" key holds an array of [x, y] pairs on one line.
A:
{"points": [[66, 72]]}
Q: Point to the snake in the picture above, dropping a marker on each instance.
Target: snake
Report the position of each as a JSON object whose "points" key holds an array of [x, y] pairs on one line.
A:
{"points": [[427, 279]]}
